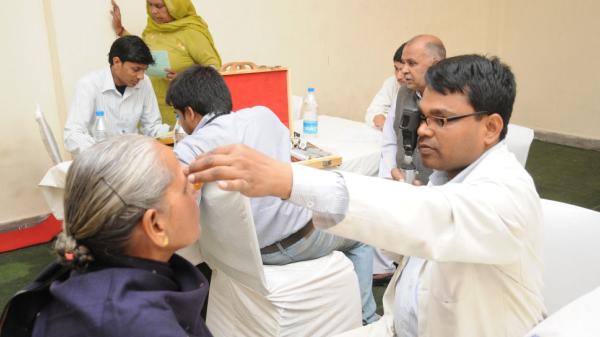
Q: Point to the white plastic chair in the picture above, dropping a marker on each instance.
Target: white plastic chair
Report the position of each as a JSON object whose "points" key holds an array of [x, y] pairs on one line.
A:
{"points": [[309, 298], [48, 137], [571, 252], [518, 141], [578, 318]]}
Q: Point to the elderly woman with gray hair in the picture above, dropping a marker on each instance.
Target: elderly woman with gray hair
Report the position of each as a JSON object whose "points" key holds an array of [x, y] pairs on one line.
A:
{"points": [[128, 208]]}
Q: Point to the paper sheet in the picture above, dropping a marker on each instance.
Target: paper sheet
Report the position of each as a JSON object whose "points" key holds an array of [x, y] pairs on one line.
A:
{"points": [[161, 62]]}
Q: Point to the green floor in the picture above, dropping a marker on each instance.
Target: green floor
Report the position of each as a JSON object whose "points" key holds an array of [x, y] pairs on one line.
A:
{"points": [[566, 174], [561, 173], [17, 268]]}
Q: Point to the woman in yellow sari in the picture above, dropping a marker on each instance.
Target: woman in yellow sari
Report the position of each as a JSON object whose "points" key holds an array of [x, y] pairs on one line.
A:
{"points": [[173, 26]]}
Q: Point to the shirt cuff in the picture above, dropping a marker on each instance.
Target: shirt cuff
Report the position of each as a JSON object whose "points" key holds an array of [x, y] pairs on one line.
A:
{"points": [[323, 192]]}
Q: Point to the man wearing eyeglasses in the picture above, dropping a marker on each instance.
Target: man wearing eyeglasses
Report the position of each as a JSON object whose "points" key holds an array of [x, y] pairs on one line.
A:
{"points": [[468, 244], [420, 53]]}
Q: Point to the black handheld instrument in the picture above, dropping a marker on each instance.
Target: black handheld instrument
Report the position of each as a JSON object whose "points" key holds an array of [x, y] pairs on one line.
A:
{"points": [[408, 127]]}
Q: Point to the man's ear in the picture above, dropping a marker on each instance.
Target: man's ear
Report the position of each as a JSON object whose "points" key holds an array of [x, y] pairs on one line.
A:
{"points": [[188, 113], [116, 60], [192, 117], [153, 228], [493, 127]]}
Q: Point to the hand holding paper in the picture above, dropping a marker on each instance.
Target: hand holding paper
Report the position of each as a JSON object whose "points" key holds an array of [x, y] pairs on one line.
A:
{"points": [[161, 64], [170, 74]]}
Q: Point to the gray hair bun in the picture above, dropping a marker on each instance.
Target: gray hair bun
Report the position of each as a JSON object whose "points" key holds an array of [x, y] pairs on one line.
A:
{"points": [[72, 254]]}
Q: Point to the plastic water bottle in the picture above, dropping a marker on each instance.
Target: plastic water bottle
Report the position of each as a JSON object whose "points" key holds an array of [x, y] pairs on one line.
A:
{"points": [[99, 130], [309, 114], [178, 131]]}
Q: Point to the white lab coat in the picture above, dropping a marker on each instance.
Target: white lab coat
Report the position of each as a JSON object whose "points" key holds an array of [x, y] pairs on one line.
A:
{"points": [[482, 239]]}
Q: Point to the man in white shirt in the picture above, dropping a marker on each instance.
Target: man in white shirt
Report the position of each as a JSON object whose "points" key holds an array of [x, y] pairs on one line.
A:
{"points": [[381, 103], [122, 91], [468, 244], [284, 230]]}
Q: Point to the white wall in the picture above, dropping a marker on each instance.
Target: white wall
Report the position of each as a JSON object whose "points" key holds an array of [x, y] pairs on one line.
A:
{"points": [[342, 47], [27, 80], [554, 48], [82, 42]]}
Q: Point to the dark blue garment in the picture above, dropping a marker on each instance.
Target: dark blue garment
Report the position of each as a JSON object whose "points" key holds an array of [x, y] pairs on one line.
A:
{"points": [[127, 297]]}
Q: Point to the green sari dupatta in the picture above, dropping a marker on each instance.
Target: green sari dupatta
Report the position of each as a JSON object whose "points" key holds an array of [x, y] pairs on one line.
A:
{"points": [[184, 16]]}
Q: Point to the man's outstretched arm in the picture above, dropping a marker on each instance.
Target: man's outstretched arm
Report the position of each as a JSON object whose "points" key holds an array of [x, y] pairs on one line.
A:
{"points": [[240, 168]]}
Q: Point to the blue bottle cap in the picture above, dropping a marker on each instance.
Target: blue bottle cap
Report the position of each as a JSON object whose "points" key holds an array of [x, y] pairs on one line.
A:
{"points": [[99, 113], [310, 89]]}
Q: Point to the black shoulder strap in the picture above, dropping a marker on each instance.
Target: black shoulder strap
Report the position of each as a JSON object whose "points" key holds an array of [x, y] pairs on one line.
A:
{"points": [[217, 115], [20, 312]]}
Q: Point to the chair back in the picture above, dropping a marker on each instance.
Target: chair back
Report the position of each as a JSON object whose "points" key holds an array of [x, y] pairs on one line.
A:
{"points": [[228, 239], [571, 257], [578, 318], [518, 140], [48, 137], [318, 297]]}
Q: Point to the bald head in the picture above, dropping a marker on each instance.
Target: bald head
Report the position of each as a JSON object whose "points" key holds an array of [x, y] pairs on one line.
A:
{"points": [[420, 53], [432, 44]]}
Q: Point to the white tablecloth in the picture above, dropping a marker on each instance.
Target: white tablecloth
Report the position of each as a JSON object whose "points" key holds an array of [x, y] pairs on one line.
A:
{"points": [[358, 144]]}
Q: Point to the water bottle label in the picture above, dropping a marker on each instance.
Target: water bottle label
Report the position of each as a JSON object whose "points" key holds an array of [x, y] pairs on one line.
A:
{"points": [[310, 127]]}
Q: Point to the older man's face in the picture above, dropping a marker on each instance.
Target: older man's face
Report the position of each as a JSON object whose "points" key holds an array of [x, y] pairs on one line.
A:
{"points": [[415, 62]]}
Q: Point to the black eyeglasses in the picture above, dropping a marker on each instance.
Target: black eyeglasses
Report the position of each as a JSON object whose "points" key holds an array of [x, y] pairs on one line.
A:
{"points": [[442, 121]]}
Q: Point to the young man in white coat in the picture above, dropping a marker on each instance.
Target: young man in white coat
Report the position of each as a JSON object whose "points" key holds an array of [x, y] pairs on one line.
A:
{"points": [[468, 244]]}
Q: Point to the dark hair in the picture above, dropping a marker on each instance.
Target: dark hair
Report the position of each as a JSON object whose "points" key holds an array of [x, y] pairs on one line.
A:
{"points": [[489, 84], [201, 88], [398, 53], [130, 48]]}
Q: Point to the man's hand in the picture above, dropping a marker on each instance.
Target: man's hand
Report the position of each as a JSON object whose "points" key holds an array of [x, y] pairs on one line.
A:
{"points": [[240, 168], [378, 121], [116, 19], [398, 175]]}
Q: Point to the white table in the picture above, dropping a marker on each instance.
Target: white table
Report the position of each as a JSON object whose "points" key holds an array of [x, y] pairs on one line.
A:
{"points": [[358, 144]]}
